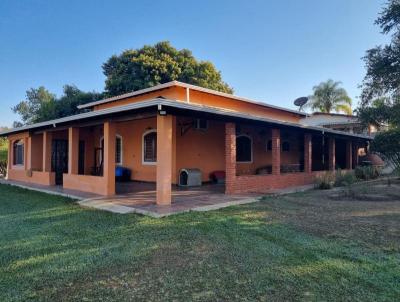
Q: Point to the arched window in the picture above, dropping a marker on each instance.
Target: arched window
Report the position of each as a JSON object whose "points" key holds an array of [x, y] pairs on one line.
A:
{"points": [[149, 146], [244, 152], [118, 148], [18, 152], [285, 147]]}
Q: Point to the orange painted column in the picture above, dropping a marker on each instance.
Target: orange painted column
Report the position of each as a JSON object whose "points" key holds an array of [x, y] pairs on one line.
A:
{"points": [[109, 157], [164, 159], [332, 154], [349, 155], [276, 152], [73, 150], [47, 140], [230, 157], [174, 170], [27, 155], [307, 153]]}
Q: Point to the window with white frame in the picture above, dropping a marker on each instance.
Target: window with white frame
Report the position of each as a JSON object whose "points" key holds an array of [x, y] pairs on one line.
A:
{"points": [[18, 152], [149, 147], [118, 148], [244, 149]]}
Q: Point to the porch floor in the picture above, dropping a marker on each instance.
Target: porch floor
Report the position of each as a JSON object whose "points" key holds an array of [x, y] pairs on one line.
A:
{"points": [[136, 197]]}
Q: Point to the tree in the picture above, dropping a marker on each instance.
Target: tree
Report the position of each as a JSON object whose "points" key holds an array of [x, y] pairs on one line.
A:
{"points": [[388, 144], [41, 105], [38, 106], [380, 98], [72, 97], [136, 69], [328, 97], [383, 62]]}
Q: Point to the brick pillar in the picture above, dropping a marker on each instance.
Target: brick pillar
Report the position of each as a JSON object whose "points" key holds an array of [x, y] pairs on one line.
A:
{"points": [[276, 151], [355, 155], [332, 154], [73, 150], [10, 156], [307, 153], [164, 159], [230, 157], [109, 157], [47, 142], [349, 155]]}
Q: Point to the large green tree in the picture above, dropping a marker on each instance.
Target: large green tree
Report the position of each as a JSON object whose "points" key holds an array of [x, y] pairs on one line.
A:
{"points": [[136, 69], [41, 105], [38, 106], [383, 62], [329, 96], [380, 99]]}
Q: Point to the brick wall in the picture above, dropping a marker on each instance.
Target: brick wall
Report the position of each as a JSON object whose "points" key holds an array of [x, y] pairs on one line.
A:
{"points": [[268, 183], [235, 184], [230, 157]]}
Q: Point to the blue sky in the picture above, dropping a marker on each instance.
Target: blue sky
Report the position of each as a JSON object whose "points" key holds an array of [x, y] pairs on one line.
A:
{"points": [[272, 51]]}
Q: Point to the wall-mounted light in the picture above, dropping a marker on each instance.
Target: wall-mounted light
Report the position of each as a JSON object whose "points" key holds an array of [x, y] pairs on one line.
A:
{"points": [[161, 111]]}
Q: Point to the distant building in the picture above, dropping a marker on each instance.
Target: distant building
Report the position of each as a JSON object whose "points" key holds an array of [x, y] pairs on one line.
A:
{"points": [[340, 122]]}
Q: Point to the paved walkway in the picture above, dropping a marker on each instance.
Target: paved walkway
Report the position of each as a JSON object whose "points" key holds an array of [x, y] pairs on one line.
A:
{"points": [[141, 198]]}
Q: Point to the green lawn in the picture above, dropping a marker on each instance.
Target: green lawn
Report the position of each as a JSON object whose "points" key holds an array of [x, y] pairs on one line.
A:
{"points": [[298, 247]]}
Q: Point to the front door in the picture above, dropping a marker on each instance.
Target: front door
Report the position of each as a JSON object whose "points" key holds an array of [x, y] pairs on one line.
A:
{"points": [[59, 159]]}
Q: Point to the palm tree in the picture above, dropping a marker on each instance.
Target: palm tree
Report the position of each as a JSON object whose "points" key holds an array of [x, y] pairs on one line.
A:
{"points": [[329, 96]]}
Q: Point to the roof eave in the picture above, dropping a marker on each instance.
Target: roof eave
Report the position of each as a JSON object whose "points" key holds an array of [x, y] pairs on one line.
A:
{"points": [[180, 105]]}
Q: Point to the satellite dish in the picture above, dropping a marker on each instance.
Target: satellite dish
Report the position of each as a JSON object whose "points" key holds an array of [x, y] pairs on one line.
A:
{"points": [[300, 102]]}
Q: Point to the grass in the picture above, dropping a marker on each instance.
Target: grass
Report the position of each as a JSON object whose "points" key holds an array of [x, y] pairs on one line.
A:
{"points": [[305, 246]]}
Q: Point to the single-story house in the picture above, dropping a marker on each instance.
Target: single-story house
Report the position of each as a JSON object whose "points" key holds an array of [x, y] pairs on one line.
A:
{"points": [[157, 132]]}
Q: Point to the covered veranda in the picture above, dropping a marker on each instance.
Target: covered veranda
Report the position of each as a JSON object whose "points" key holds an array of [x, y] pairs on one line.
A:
{"points": [[316, 150]]}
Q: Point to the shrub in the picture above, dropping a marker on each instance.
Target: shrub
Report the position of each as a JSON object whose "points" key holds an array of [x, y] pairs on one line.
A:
{"points": [[344, 178], [3, 168], [367, 172], [325, 181]]}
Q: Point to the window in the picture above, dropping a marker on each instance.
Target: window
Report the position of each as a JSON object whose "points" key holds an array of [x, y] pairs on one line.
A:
{"points": [[118, 149], [244, 152], [18, 152], [150, 147], [285, 147]]}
